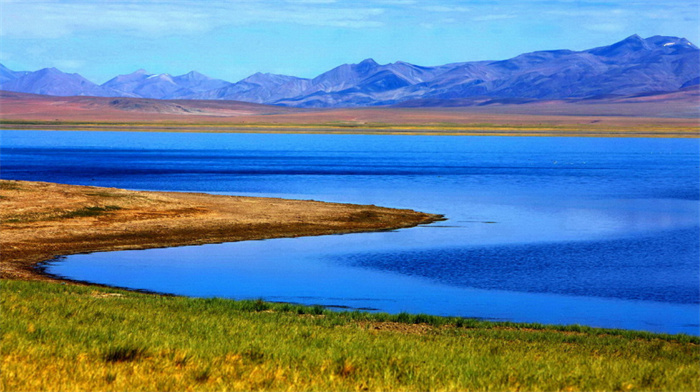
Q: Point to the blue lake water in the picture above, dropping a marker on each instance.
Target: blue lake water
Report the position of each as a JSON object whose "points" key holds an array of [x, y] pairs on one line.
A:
{"points": [[595, 231]]}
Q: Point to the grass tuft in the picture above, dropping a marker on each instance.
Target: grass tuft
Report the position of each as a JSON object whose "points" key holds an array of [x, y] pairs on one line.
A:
{"points": [[106, 194], [253, 354], [202, 375], [88, 212], [6, 185], [127, 353], [345, 367], [362, 216], [181, 359], [110, 377]]}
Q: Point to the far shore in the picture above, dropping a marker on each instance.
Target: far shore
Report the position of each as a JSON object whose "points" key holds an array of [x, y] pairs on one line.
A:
{"points": [[681, 130], [670, 115], [43, 220]]}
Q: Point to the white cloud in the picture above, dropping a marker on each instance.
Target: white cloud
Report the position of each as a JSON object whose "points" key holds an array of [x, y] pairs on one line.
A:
{"points": [[488, 18], [605, 27], [50, 19], [311, 1], [158, 18], [445, 8], [337, 16], [396, 2]]}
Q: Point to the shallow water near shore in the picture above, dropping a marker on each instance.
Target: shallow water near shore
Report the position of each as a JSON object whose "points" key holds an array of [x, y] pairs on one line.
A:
{"points": [[595, 231]]}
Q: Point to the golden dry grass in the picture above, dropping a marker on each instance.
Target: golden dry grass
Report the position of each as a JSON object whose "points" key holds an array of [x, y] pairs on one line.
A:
{"points": [[42, 220]]}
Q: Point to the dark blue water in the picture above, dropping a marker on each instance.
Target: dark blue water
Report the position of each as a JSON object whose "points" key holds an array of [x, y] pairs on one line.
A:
{"points": [[648, 267], [597, 231]]}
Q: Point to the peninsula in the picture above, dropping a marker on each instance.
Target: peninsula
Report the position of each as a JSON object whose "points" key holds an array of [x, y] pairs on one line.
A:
{"points": [[43, 220]]}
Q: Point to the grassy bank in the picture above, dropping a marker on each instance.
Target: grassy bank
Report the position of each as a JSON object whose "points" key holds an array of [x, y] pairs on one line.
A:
{"points": [[66, 337], [378, 128]]}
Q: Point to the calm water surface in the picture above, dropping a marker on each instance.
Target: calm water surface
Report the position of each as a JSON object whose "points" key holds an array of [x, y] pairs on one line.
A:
{"points": [[596, 231]]}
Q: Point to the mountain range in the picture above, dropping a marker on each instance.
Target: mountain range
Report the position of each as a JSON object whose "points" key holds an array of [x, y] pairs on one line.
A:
{"points": [[632, 66]]}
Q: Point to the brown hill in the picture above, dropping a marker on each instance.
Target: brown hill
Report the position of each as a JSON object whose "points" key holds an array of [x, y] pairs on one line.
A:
{"points": [[674, 110], [21, 106]]}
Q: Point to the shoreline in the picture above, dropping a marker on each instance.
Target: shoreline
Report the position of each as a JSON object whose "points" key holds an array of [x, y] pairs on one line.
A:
{"points": [[99, 337], [43, 221], [569, 130]]}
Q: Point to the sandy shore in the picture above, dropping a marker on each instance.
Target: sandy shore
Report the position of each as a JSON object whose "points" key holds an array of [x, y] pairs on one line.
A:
{"points": [[43, 220]]}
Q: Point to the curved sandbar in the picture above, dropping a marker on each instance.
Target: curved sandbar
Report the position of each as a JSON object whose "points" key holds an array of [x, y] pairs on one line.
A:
{"points": [[43, 220]]}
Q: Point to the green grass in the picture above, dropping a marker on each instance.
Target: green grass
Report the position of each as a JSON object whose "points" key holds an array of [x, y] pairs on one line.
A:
{"points": [[107, 194], [65, 337]]}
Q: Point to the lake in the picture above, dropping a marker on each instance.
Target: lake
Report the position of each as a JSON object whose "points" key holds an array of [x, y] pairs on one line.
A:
{"points": [[595, 231]]}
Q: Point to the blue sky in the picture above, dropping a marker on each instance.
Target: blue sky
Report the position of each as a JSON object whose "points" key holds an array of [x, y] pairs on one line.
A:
{"points": [[234, 39]]}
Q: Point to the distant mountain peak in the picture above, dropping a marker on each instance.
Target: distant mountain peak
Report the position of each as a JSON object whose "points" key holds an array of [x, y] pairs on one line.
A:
{"points": [[366, 65], [257, 76], [138, 74], [631, 44], [193, 76], [139, 71], [634, 41], [52, 81], [7, 74], [670, 42], [404, 63], [267, 78]]}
